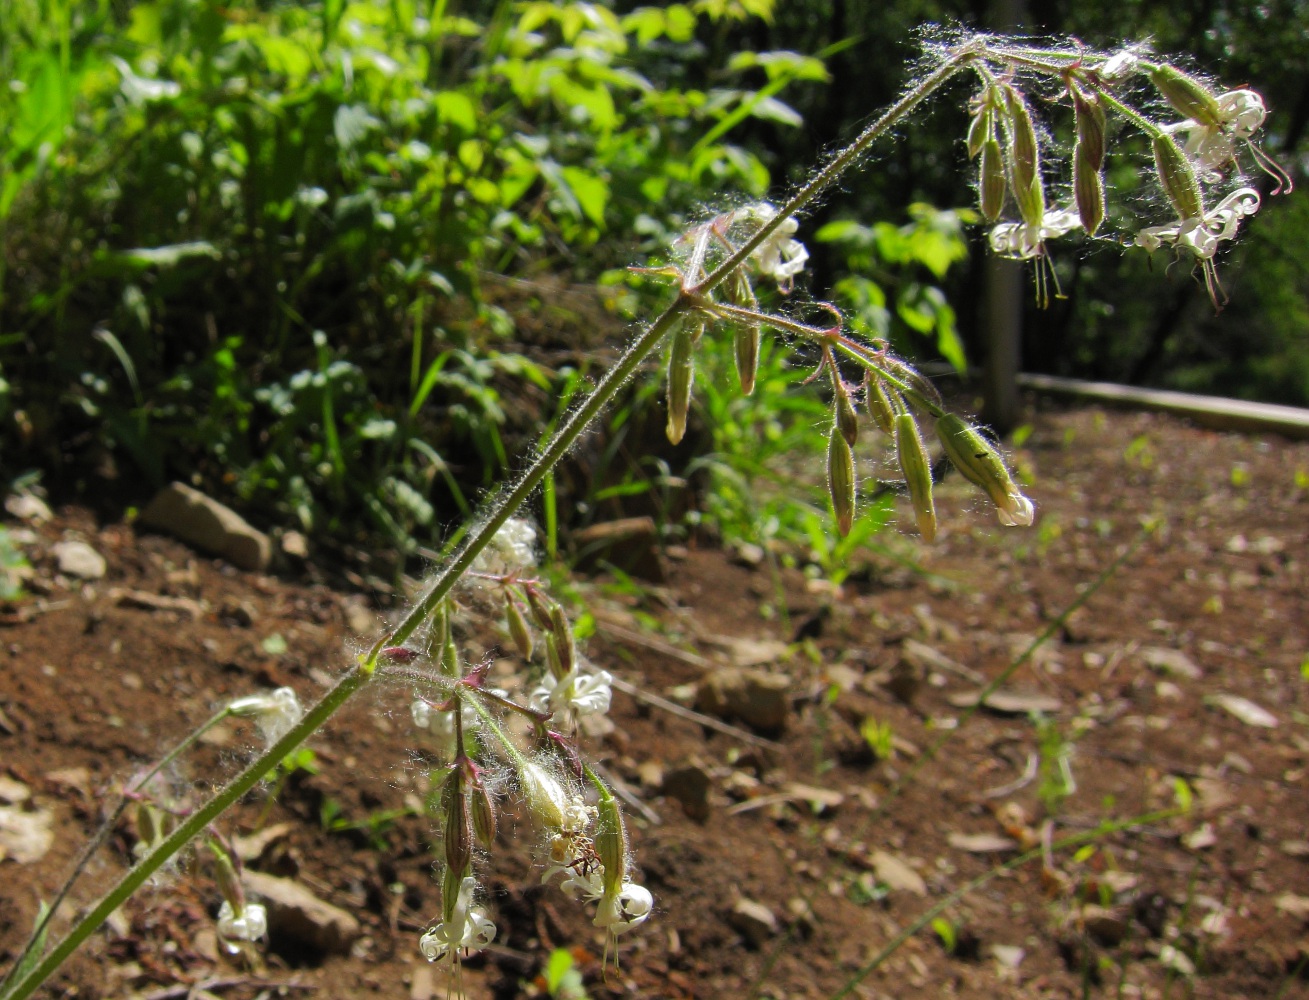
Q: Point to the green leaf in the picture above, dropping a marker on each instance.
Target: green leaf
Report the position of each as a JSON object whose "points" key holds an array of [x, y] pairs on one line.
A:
{"points": [[591, 192], [454, 108]]}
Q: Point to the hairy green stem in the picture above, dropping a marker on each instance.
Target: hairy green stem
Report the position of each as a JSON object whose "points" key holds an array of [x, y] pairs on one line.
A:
{"points": [[189, 828]]}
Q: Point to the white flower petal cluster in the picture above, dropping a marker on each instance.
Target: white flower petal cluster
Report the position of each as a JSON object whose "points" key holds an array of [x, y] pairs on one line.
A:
{"points": [[780, 257], [1201, 237], [1240, 115], [274, 713], [513, 548], [620, 911], [1023, 240], [574, 695], [250, 925], [468, 929]]}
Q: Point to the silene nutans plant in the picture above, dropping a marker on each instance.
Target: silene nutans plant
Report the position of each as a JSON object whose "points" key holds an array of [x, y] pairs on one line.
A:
{"points": [[1032, 189]]}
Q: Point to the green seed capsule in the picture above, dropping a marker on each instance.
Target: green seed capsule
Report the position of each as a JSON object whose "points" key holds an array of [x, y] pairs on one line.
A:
{"points": [[917, 473], [1187, 95], [518, 630], [840, 480], [991, 180], [451, 882], [540, 605], [565, 646], [1178, 178], [681, 372]]}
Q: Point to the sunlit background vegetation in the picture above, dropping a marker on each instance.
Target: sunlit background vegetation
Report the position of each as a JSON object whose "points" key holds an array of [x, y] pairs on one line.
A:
{"points": [[337, 263]]}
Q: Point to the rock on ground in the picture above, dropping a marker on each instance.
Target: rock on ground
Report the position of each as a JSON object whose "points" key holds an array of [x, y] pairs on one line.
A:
{"points": [[297, 914], [201, 521]]}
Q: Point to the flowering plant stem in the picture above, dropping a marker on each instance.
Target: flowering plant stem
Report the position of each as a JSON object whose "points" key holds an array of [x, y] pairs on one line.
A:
{"points": [[501, 509]]}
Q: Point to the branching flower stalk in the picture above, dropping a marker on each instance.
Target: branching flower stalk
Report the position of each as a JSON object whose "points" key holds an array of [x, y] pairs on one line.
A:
{"points": [[715, 268]]}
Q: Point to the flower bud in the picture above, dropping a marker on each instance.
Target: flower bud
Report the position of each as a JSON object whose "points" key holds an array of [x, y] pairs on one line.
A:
{"points": [[458, 825], [611, 843], [451, 883], [981, 465], [1024, 159], [991, 180], [1178, 178], [1088, 160], [1187, 95], [546, 798], [227, 877], [540, 606], [847, 421], [879, 404], [840, 480], [565, 646], [979, 131], [917, 473], [681, 372], [747, 335], [552, 660], [483, 811], [518, 629]]}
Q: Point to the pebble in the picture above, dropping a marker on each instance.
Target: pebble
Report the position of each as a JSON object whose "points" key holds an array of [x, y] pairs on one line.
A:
{"points": [[79, 559]]}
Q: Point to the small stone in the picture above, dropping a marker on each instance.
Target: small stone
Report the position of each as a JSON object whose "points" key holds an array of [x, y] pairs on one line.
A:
{"points": [[359, 619], [755, 922], [296, 914], [650, 773], [690, 785], [13, 792], [27, 507], [801, 916], [295, 545], [208, 525], [239, 613], [25, 837], [1106, 926], [79, 559], [761, 700]]}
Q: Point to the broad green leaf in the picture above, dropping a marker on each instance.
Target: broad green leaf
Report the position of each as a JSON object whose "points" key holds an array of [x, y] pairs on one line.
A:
{"points": [[591, 192]]}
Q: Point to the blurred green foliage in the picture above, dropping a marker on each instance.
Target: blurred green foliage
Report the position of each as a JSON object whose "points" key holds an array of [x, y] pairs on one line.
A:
{"points": [[246, 245]]}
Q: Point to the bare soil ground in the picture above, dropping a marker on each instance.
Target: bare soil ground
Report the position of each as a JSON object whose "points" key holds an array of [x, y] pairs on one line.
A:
{"points": [[1137, 690]]}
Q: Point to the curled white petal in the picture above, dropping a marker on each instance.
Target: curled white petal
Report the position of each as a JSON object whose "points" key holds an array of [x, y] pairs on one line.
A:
{"points": [[622, 910], [1201, 237], [779, 257], [579, 692], [1024, 240], [468, 929], [1017, 512], [274, 713]]}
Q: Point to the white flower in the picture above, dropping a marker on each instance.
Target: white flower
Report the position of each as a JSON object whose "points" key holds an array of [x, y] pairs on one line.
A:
{"points": [[622, 910], [575, 694], [1026, 240], [1240, 114], [1121, 65], [1201, 236], [1016, 511], [251, 925], [468, 929], [779, 257], [274, 714], [512, 548], [141, 90]]}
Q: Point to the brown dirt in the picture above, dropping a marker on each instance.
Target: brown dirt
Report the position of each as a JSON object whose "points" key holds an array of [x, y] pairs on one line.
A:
{"points": [[90, 683]]}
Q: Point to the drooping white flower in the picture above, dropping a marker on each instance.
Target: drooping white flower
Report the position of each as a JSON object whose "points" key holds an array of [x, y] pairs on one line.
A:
{"points": [[1213, 146], [468, 929], [780, 257], [1022, 240], [624, 909], [574, 695], [513, 548], [1200, 237], [274, 713], [249, 925]]}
